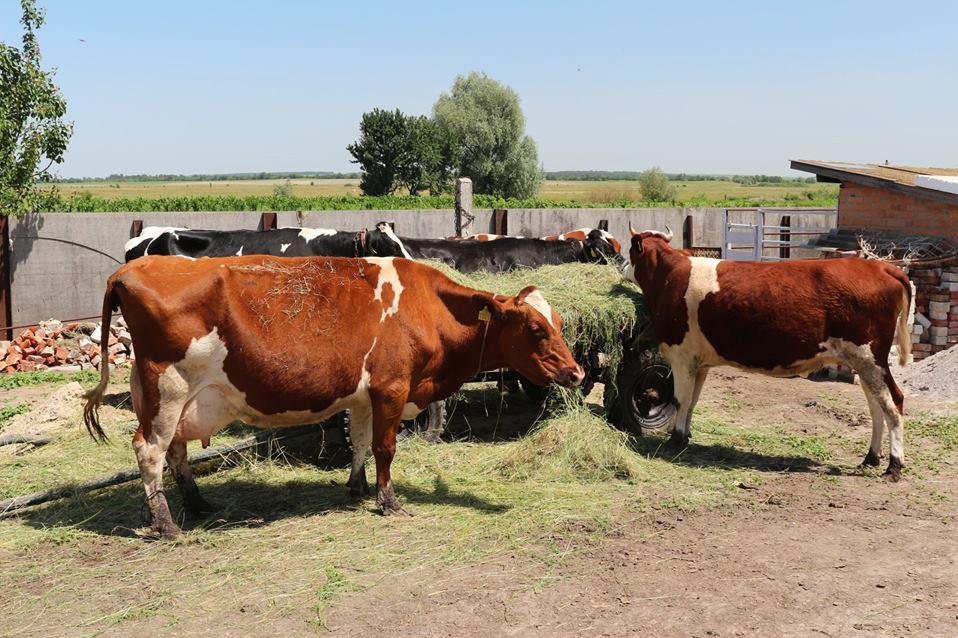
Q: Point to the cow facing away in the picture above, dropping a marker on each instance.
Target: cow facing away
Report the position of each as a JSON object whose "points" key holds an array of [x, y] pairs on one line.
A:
{"points": [[780, 319], [380, 241], [382, 337], [504, 254]]}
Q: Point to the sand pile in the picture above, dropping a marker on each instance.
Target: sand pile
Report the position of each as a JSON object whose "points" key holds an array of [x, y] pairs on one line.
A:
{"points": [[935, 376]]}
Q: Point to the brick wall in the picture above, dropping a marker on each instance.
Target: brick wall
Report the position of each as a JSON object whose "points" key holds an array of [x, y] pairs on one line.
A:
{"points": [[936, 310], [881, 209]]}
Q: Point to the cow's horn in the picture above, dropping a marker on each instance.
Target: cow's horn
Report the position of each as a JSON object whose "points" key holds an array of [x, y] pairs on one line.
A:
{"points": [[632, 230], [668, 233]]}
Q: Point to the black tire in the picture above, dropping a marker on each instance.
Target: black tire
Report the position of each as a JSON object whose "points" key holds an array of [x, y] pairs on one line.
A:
{"points": [[643, 394]]}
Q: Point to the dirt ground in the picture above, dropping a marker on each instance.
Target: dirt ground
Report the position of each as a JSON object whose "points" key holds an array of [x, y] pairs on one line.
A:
{"points": [[819, 548], [852, 556]]}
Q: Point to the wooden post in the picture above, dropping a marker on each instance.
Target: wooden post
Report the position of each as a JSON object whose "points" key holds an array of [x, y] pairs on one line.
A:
{"points": [[500, 221], [785, 251], [6, 302], [267, 221], [136, 228], [688, 232]]}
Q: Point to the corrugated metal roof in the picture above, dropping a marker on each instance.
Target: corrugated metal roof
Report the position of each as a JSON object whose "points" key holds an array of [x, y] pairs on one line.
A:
{"points": [[921, 179]]}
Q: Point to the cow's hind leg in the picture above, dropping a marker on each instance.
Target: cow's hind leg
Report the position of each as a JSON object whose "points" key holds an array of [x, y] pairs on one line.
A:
{"points": [[193, 501], [360, 436], [879, 385], [159, 402], [893, 405], [873, 458], [150, 450]]}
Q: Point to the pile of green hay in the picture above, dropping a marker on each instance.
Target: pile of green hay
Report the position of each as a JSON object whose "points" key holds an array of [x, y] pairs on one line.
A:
{"points": [[573, 446], [598, 308]]}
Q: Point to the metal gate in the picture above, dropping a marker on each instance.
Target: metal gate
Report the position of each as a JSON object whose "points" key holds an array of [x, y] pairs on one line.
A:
{"points": [[758, 240]]}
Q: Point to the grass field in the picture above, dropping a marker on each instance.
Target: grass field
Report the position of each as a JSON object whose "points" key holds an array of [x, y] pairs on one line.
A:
{"points": [[560, 191]]}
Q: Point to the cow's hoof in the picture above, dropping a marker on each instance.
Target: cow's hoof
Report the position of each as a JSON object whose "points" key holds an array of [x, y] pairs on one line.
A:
{"points": [[893, 473], [168, 531], [358, 489], [871, 459], [395, 509]]}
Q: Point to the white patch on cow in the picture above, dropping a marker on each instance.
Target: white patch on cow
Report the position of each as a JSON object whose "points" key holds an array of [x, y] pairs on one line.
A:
{"points": [[197, 398], [606, 235], [149, 234], [309, 234], [283, 247], [239, 253], [537, 301], [388, 232], [628, 273], [387, 275], [410, 411]]}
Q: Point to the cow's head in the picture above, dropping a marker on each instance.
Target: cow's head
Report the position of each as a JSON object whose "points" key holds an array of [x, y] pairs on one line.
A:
{"points": [[601, 247], [383, 242], [642, 243], [530, 337]]}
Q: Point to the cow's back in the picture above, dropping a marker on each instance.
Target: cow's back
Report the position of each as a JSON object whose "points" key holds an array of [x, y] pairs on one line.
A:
{"points": [[296, 332]]}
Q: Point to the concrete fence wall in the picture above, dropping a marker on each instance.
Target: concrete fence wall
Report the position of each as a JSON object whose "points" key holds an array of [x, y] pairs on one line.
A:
{"points": [[60, 261]]}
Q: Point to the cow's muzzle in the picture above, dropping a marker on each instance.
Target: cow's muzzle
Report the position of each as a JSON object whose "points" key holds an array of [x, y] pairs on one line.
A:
{"points": [[570, 377]]}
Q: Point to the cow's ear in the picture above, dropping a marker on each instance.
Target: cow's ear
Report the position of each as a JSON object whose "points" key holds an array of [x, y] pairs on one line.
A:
{"points": [[488, 307], [637, 243]]}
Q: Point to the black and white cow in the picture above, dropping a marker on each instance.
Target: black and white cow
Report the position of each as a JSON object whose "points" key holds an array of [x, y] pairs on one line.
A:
{"points": [[281, 242], [503, 254]]}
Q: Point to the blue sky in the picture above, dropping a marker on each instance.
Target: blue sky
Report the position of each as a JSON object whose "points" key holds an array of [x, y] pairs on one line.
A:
{"points": [[731, 87]]}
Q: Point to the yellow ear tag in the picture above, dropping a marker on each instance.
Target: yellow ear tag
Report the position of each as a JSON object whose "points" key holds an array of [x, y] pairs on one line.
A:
{"points": [[485, 315]]}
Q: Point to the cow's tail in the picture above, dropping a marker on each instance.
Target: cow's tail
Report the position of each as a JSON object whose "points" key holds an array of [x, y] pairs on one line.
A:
{"points": [[94, 397], [903, 336]]}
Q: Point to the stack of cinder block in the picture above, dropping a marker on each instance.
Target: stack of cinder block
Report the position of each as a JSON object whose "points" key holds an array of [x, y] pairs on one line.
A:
{"points": [[70, 348], [936, 310]]}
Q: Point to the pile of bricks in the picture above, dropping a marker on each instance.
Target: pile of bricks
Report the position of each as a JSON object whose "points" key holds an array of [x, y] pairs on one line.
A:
{"points": [[936, 310], [66, 348]]}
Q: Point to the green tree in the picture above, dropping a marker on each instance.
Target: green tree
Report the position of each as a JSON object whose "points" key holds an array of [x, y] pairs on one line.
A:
{"points": [[484, 120], [381, 150], [32, 129], [654, 185], [427, 163]]}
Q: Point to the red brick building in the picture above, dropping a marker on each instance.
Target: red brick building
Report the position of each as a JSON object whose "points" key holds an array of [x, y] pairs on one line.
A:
{"points": [[881, 200]]}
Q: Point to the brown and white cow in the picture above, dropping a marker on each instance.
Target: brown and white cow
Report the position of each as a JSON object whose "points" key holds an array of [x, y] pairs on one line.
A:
{"points": [[277, 342], [581, 234], [781, 319]]}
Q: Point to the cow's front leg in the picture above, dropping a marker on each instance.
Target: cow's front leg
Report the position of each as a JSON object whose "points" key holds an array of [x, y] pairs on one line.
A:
{"points": [[684, 381], [360, 437], [386, 420]]}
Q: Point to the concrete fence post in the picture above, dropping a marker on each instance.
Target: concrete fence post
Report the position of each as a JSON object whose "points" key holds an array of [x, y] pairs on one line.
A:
{"points": [[464, 215]]}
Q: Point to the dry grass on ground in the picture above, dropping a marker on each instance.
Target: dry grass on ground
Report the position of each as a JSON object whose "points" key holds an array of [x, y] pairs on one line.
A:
{"points": [[288, 542]]}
